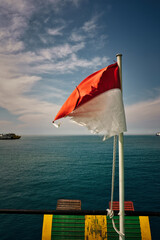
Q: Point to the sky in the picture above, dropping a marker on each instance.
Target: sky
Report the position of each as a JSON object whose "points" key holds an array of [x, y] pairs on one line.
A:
{"points": [[47, 47]]}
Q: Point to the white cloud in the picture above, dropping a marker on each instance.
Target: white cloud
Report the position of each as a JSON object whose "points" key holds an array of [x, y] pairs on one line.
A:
{"points": [[60, 51], [84, 63], [88, 31], [143, 115], [21, 68], [90, 26], [59, 4], [76, 37], [18, 77], [4, 122], [55, 31], [50, 92], [24, 7], [61, 58], [74, 2], [11, 46], [70, 64], [28, 109], [16, 14]]}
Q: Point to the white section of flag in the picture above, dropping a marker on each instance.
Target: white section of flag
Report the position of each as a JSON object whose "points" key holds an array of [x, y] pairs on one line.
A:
{"points": [[103, 114]]}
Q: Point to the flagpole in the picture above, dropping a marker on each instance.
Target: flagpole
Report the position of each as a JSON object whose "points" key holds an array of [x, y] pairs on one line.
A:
{"points": [[121, 165]]}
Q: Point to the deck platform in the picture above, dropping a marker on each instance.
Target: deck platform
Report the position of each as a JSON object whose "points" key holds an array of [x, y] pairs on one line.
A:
{"points": [[93, 227]]}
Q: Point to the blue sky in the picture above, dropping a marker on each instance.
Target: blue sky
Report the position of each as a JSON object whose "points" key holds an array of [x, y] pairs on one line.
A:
{"points": [[48, 47]]}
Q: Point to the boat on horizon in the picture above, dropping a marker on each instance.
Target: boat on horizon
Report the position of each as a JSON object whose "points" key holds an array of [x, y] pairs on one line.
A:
{"points": [[158, 134], [9, 136]]}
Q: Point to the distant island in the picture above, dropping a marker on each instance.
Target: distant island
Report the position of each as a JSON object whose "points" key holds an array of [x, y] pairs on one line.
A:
{"points": [[9, 136]]}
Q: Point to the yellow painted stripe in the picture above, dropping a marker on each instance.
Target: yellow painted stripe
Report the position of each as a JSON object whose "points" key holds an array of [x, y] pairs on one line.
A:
{"points": [[95, 227], [145, 228], [47, 227]]}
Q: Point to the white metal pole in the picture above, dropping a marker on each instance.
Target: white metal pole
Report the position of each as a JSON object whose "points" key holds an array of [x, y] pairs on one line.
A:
{"points": [[121, 166]]}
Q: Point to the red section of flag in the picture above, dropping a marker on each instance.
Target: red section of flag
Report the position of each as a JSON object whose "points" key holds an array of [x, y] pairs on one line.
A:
{"points": [[95, 84]]}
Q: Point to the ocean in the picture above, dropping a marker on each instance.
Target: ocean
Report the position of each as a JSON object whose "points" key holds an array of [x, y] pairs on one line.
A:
{"points": [[36, 171]]}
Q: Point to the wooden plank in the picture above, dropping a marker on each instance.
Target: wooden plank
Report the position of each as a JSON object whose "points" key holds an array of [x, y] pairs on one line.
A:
{"points": [[128, 206], [47, 227], [95, 227], [66, 204], [145, 228]]}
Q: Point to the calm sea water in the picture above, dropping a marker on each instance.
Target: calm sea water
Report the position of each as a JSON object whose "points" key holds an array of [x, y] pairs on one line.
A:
{"points": [[37, 171]]}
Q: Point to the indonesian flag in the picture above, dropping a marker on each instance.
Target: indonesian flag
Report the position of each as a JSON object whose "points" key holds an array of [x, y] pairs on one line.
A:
{"points": [[97, 103]]}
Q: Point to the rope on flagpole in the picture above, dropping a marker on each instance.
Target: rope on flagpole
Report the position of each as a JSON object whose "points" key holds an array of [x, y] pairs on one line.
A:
{"points": [[110, 211]]}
